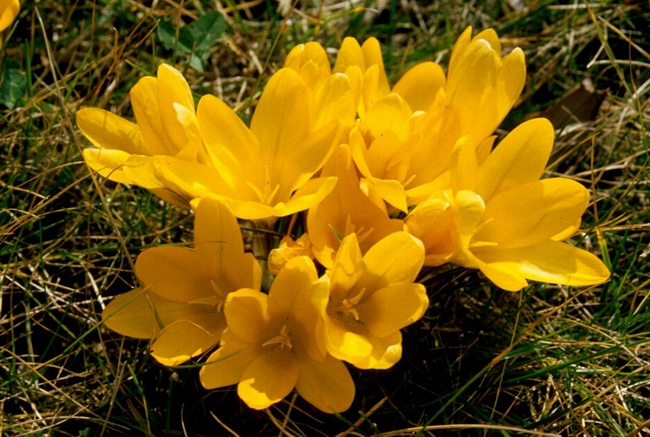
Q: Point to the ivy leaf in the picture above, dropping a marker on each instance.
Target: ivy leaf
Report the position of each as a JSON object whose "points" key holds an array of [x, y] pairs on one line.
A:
{"points": [[167, 35], [14, 83], [207, 30]]}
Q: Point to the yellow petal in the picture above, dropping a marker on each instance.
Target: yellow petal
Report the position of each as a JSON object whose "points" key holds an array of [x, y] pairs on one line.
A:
{"points": [[231, 146], [469, 210], [282, 118], [227, 364], [310, 61], [533, 212], [389, 113], [419, 85], [344, 344], [335, 100], [290, 295], [464, 166], [109, 131], [173, 90], [520, 158], [8, 12], [218, 241], [268, 379], [108, 163], [247, 314], [372, 57], [131, 314], [180, 341], [392, 308], [350, 54], [326, 385], [432, 221], [348, 267], [146, 107], [550, 261], [175, 273], [395, 259]]}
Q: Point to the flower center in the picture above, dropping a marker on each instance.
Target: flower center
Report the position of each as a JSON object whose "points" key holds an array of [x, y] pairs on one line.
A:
{"points": [[283, 339], [347, 307], [362, 232]]}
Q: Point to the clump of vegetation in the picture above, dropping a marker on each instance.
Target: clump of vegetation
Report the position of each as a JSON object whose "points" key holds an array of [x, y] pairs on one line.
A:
{"points": [[550, 360]]}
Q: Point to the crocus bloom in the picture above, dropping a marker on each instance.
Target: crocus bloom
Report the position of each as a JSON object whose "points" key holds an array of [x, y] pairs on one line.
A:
{"points": [[481, 88], [180, 303], [266, 171], [346, 210], [400, 133], [270, 346], [501, 218], [366, 299], [166, 125]]}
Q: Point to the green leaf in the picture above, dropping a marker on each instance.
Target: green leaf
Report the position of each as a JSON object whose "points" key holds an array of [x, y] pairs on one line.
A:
{"points": [[14, 83], [207, 30], [167, 35]]}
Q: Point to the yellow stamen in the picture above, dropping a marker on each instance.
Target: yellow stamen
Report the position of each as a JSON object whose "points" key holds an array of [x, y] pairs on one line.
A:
{"points": [[347, 306], [283, 339]]}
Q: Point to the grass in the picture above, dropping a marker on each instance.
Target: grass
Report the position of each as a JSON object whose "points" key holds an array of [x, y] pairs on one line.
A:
{"points": [[546, 361]]}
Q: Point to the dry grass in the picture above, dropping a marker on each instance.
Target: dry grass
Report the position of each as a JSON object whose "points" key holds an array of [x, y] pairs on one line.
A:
{"points": [[547, 361]]}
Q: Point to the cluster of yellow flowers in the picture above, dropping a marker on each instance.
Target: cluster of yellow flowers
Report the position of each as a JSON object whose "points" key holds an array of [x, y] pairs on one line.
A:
{"points": [[391, 179]]}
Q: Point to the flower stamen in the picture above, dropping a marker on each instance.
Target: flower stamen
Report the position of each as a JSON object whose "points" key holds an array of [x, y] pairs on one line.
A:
{"points": [[283, 339]]}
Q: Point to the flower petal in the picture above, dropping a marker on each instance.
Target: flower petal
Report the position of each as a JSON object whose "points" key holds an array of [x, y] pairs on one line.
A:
{"points": [[419, 85], [345, 344], [392, 308], [173, 90], [227, 364], [131, 314], [175, 273], [109, 131], [218, 240], [180, 341], [326, 385], [290, 296], [268, 379], [550, 261], [533, 212], [520, 158], [108, 163], [146, 107], [247, 315], [395, 259]]}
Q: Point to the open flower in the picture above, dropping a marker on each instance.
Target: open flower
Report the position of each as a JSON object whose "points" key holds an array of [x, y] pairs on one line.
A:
{"points": [[366, 300], [166, 125], [180, 302], [346, 210], [270, 346], [266, 171], [501, 218]]}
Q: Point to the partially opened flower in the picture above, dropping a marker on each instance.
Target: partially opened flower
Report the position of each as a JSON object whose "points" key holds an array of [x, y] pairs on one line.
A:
{"points": [[404, 141], [346, 210], [165, 125], [501, 218], [481, 88], [267, 171], [270, 346], [180, 302], [368, 298]]}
